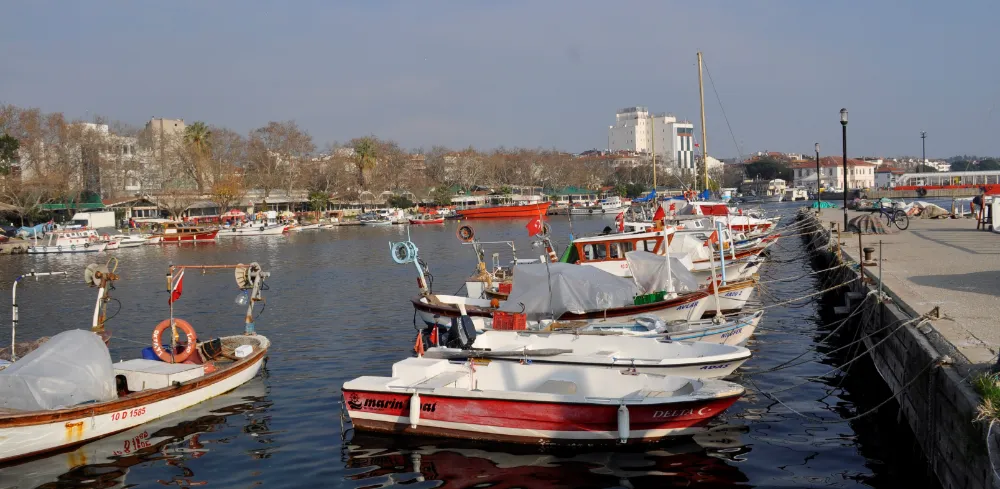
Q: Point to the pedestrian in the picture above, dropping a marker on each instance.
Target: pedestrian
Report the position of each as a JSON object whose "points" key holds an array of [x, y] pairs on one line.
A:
{"points": [[977, 201]]}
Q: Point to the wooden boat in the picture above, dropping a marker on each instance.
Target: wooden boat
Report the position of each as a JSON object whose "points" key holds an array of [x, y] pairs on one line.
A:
{"points": [[440, 309], [534, 403], [505, 211], [176, 232], [646, 355], [731, 299], [137, 391], [427, 219]]}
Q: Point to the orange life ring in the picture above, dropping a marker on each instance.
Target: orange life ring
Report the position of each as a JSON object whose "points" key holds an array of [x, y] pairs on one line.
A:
{"points": [[192, 340], [465, 233]]}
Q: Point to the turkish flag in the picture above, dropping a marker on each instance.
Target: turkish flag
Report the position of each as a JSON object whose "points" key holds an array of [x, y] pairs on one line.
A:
{"points": [[659, 213], [621, 221], [713, 238], [534, 226], [673, 207], [177, 289]]}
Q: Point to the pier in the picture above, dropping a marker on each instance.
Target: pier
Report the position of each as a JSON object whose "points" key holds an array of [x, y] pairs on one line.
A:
{"points": [[931, 305]]}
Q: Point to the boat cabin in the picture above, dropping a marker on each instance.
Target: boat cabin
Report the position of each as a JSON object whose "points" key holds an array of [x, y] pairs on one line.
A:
{"points": [[607, 252]]}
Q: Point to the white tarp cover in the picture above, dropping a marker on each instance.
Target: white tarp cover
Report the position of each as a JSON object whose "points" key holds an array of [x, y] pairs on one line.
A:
{"points": [[650, 272], [73, 367], [575, 288]]}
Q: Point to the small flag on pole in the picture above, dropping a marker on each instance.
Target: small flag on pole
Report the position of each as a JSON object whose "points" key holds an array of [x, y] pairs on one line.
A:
{"points": [[177, 288], [659, 215], [534, 226], [620, 220], [713, 238]]}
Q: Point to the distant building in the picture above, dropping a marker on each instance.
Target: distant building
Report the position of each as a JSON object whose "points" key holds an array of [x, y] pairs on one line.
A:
{"points": [[162, 133], [639, 131], [860, 174], [887, 176]]}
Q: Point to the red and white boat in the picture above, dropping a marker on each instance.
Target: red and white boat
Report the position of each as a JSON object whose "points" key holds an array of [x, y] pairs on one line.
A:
{"points": [[528, 210], [176, 232], [427, 219], [534, 404]]}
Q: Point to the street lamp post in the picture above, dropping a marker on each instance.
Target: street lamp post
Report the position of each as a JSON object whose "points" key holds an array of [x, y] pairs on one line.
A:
{"points": [[843, 124], [819, 196], [923, 149]]}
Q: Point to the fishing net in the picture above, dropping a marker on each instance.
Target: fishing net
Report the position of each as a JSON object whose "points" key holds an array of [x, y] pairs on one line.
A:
{"points": [[870, 224]]}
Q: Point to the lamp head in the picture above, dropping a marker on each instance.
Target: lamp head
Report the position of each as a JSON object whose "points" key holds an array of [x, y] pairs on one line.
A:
{"points": [[817, 148], [843, 116]]}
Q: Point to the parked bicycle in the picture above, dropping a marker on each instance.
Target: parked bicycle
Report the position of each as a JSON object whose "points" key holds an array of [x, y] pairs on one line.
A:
{"points": [[893, 215]]}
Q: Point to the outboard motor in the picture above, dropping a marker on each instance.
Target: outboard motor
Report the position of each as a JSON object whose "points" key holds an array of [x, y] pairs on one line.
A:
{"points": [[462, 333]]}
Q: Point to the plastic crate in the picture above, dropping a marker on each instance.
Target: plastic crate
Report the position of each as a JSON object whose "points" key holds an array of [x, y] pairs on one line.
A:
{"points": [[504, 287], [510, 321]]}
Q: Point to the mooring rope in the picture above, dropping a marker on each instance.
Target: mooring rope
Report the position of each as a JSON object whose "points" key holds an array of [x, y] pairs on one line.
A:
{"points": [[769, 306]]}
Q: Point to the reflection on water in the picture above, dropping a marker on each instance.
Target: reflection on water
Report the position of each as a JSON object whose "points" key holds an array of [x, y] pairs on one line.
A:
{"points": [[338, 308], [379, 460]]}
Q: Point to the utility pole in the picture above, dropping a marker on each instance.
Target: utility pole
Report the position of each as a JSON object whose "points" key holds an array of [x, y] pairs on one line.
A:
{"points": [[704, 138], [923, 149]]}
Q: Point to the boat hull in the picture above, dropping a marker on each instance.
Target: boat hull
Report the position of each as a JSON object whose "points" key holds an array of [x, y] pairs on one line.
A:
{"points": [[529, 422], [505, 211], [253, 231], [189, 238], [427, 221], [732, 298], [44, 250], [31, 434]]}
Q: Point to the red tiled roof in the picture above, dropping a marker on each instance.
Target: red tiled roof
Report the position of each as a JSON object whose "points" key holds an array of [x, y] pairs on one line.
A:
{"points": [[834, 161]]}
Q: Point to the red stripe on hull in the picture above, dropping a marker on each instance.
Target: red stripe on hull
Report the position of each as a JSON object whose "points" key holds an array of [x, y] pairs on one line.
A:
{"points": [[481, 414], [505, 211], [210, 236]]}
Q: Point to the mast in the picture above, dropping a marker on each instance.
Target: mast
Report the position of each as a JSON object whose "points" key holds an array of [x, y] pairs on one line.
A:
{"points": [[652, 139], [704, 137]]}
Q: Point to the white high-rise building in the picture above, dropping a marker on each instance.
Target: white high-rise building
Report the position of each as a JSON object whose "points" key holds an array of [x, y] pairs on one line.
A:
{"points": [[638, 130]]}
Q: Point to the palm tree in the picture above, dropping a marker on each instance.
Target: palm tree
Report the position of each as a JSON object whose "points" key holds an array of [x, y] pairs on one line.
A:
{"points": [[198, 139], [365, 156]]}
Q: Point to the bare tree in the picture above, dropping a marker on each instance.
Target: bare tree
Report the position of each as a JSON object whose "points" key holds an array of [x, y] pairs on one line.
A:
{"points": [[275, 153], [229, 190]]}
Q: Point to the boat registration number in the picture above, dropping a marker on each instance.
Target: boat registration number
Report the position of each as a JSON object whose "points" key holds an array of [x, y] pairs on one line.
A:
{"points": [[130, 413]]}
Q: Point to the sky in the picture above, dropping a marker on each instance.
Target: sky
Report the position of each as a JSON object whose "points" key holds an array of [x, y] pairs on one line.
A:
{"points": [[524, 73]]}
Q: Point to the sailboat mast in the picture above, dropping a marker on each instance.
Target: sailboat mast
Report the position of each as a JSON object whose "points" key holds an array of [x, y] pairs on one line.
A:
{"points": [[652, 139], [704, 137]]}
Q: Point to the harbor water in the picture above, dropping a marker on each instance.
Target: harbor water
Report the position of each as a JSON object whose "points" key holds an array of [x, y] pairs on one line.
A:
{"points": [[338, 307]]}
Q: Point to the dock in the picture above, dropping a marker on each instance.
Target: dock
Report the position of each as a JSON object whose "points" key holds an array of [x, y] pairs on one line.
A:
{"points": [[931, 332]]}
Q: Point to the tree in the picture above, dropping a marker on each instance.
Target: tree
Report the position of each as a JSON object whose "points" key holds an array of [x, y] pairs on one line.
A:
{"points": [[275, 154], [318, 201], [176, 197], [441, 195], [196, 152], [921, 168], [961, 165], [365, 158], [229, 190], [26, 198], [988, 165], [8, 153], [769, 169], [399, 201]]}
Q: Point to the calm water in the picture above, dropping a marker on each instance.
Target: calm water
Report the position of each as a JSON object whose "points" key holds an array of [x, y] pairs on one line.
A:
{"points": [[338, 308]]}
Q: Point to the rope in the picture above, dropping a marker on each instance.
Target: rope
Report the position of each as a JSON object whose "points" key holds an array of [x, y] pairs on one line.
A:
{"points": [[853, 418], [811, 295]]}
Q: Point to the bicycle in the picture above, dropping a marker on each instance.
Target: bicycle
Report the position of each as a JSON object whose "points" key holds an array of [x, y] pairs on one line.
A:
{"points": [[892, 215]]}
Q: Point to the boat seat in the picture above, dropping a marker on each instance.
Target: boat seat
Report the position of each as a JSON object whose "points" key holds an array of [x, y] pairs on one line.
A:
{"points": [[557, 387], [439, 380]]}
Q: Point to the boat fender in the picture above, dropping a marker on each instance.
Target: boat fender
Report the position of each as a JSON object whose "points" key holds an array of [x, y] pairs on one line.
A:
{"points": [[59, 248], [86, 245], [414, 410], [623, 424], [72, 247], [192, 340], [262, 228], [590, 211], [922, 192]]}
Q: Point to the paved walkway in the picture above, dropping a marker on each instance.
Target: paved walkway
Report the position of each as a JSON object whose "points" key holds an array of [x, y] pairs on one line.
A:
{"points": [[945, 263]]}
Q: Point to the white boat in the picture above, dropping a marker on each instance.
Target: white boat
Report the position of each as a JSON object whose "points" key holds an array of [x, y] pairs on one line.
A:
{"points": [[534, 403], [304, 227], [796, 193], [130, 240], [607, 205], [68, 241], [734, 330], [646, 355], [68, 392], [253, 229]]}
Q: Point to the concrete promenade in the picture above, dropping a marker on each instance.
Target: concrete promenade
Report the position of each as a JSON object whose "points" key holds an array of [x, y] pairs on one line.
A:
{"points": [[943, 263]]}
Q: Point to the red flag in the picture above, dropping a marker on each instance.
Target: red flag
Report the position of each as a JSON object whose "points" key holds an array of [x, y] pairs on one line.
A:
{"points": [[534, 226], [713, 238], [695, 145], [621, 221], [659, 214], [177, 288], [673, 207]]}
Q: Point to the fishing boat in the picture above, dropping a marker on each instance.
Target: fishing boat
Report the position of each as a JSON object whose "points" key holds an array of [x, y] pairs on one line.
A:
{"points": [[505, 211], [254, 229], [427, 219], [68, 392], [732, 297], [534, 403], [732, 330], [176, 232], [607, 205], [646, 355], [67, 241], [304, 227]]}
